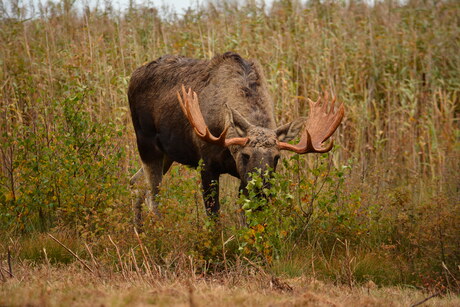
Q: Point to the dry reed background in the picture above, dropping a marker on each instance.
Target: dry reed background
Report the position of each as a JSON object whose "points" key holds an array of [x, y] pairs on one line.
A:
{"points": [[68, 148]]}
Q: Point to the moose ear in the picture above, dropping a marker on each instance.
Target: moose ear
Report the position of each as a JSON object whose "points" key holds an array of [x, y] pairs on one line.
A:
{"points": [[289, 131], [238, 122]]}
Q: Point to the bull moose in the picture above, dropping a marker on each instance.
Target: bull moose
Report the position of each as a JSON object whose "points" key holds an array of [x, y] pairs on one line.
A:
{"points": [[226, 118]]}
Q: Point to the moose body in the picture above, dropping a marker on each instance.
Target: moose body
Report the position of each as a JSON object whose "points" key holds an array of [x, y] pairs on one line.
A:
{"points": [[230, 99]]}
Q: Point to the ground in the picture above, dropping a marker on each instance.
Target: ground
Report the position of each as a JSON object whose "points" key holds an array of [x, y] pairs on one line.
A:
{"points": [[65, 285]]}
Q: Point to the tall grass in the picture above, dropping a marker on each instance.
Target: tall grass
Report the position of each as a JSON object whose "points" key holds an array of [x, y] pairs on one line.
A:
{"points": [[66, 133]]}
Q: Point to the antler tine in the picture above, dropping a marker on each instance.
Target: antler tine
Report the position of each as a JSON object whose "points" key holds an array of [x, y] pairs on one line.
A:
{"points": [[321, 124], [191, 108], [302, 147], [311, 103]]}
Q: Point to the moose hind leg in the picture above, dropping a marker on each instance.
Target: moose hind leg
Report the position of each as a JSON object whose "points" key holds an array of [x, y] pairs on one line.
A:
{"points": [[153, 175], [153, 172]]}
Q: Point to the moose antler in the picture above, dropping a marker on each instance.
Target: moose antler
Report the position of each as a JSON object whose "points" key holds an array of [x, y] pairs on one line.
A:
{"points": [[321, 124], [191, 109]]}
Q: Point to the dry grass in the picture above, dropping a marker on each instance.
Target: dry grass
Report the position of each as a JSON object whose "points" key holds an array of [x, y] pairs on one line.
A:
{"points": [[72, 285], [64, 75]]}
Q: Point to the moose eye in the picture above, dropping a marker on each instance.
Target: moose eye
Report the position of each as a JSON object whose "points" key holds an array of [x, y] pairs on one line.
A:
{"points": [[245, 158], [277, 158]]}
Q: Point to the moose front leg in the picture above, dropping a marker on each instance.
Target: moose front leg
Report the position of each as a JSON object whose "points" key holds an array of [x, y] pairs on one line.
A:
{"points": [[210, 185]]}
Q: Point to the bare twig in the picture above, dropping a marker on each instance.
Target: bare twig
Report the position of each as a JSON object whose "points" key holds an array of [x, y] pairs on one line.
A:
{"points": [[122, 267], [146, 261], [138, 271], [46, 257], [73, 254], [258, 267], [223, 249], [96, 264], [426, 299], [446, 269], [6, 271], [137, 176]]}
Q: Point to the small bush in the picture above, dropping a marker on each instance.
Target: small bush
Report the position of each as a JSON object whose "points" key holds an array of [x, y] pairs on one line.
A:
{"points": [[64, 171]]}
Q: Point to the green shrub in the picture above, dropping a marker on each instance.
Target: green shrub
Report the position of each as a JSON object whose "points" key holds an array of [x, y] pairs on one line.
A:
{"points": [[64, 171]]}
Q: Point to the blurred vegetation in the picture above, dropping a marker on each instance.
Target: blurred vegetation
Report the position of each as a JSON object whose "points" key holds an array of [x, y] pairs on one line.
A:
{"points": [[383, 206]]}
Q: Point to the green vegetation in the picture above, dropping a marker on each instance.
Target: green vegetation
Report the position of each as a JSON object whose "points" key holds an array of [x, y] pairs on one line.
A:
{"points": [[383, 206]]}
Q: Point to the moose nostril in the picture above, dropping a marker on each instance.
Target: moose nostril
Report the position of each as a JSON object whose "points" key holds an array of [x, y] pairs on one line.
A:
{"points": [[277, 158], [245, 158]]}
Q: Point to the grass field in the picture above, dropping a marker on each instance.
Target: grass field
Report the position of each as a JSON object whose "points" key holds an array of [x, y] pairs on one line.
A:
{"points": [[375, 221], [71, 285]]}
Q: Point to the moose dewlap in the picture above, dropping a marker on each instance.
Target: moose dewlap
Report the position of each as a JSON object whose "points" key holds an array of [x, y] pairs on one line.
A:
{"points": [[220, 111]]}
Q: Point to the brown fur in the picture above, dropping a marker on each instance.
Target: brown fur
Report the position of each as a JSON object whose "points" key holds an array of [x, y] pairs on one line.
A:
{"points": [[232, 92]]}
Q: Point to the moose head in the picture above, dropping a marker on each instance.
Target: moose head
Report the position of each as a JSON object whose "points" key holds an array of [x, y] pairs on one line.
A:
{"points": [[259, 147]]}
